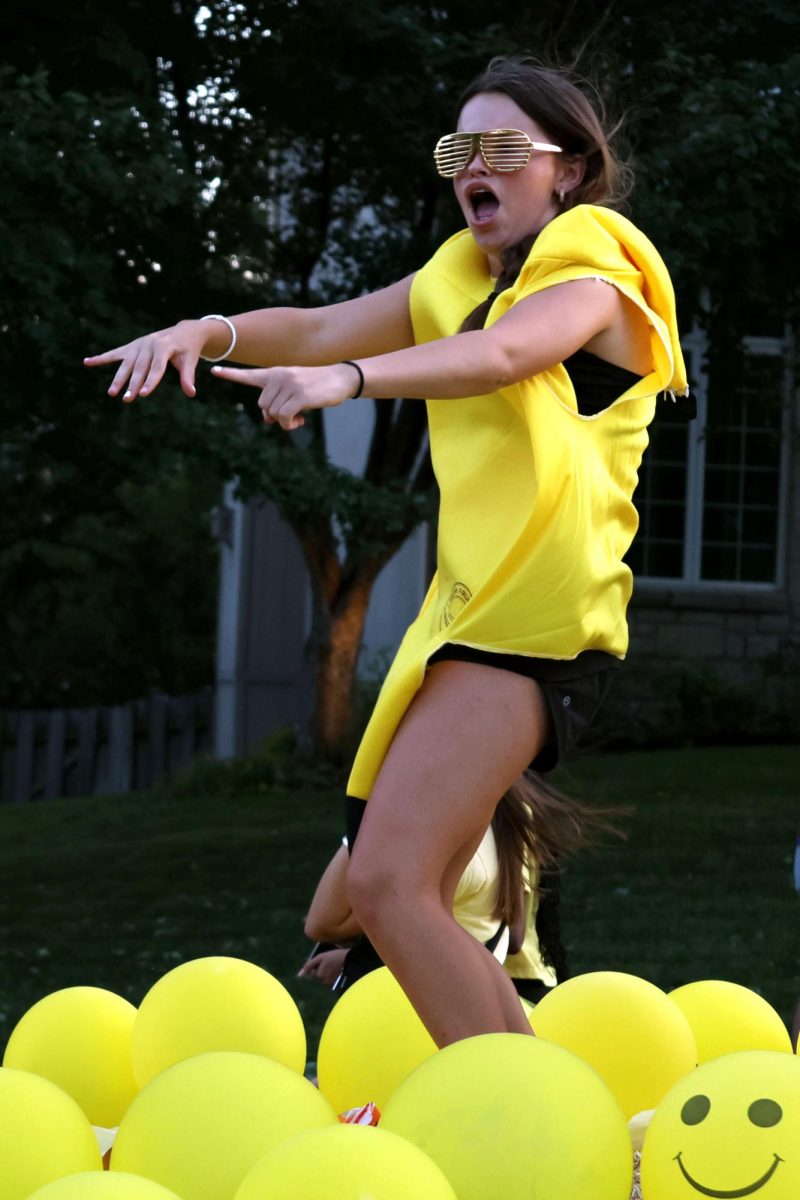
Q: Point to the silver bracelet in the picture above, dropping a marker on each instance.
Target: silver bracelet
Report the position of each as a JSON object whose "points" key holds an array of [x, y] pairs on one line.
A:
{"points": [[229, 323]]}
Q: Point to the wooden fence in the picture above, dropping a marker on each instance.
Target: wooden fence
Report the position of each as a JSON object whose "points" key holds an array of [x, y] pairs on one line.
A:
{"points": [[45, 753]]}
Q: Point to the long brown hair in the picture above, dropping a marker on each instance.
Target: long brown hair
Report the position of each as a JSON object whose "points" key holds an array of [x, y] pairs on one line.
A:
{"points": [[536, 827], [560, 104]]}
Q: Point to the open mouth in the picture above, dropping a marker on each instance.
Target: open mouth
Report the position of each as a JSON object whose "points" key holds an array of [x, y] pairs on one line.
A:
{"points": [[730, 1195], [484, 205]]}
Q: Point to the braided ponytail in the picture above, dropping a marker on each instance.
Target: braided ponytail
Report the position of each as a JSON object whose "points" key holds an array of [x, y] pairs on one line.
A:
{"points": [[538, 827], [513, 260]]}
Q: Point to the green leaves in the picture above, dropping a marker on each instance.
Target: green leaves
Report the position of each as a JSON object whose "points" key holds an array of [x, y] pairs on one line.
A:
{"points": [[157, 165]]}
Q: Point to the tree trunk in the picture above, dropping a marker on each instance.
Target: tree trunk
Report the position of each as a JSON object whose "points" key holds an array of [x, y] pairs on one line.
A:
{"points": [[339, 646], [341, 590]]}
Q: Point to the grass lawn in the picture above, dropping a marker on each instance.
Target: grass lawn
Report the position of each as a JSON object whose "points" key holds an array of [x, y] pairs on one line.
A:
{"points": [[114, 892]]}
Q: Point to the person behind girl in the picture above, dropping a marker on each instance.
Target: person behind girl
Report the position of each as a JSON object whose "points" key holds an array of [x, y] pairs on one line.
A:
{"points": [[507, 898], [345, 955], [541, 335]]}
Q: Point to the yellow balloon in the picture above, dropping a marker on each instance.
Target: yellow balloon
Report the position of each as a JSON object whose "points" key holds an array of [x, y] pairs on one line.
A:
{"points": [[43, 1135], [80, 1039], [730, 1128], [726, 1017], [371, 1041], [199, 1127], [101, 1185], [510, 1117], [345, 1162], [216, 1004], [626, 1028]]}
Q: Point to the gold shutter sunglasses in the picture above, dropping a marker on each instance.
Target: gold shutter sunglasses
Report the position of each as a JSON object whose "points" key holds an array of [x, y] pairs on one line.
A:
{"points": [[501, 150]]}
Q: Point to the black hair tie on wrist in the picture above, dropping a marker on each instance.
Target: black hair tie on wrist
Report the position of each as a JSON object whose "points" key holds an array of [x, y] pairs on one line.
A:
{"points": [[347, 363]]}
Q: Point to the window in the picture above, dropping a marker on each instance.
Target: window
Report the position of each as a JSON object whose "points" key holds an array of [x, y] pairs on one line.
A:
{"points": [[712, 492]]}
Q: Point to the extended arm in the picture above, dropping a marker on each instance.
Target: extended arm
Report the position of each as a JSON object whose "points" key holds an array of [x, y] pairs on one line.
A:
{"points": [[367, 326], [536, 333]]}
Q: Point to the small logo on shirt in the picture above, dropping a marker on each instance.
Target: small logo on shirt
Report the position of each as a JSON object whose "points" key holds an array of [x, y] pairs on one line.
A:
{"points": [[459, 596]]}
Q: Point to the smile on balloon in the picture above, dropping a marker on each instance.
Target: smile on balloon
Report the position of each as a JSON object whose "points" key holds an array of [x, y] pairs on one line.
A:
{"points": [[729, 1195]]}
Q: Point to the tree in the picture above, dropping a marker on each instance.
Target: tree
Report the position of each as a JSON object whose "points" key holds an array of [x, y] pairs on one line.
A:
{"points": [[692, 60], [278, 153], [82, 621], [293, 241]]}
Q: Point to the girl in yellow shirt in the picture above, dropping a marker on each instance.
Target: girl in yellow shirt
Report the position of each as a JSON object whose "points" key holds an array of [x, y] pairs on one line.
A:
{"points": [[545, 287]]}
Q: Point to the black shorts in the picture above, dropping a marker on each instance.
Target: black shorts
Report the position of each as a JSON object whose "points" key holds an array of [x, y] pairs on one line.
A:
{"points": [[532, 990], [573, 691]]}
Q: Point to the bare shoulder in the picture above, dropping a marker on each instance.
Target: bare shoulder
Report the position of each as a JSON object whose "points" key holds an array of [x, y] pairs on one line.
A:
{"points": [[625, 340], [550, 325]]}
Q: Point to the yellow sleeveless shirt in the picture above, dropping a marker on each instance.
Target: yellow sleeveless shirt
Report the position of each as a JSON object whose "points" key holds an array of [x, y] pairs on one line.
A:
{"points": [[536, 508]]}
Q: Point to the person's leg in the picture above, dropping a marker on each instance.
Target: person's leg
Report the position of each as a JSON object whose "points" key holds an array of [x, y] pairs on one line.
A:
{"points": [[467, 736], [512, 1019]]}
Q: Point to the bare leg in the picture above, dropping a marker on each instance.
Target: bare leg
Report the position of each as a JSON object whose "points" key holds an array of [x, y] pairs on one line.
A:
{"points": [[468, 735]]}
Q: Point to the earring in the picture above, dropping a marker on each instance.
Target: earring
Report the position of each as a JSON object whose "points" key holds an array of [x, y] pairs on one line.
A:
{"points": [[560, 193]]}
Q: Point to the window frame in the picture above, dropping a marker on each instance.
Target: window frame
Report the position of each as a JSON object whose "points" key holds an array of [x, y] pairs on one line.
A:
{"points": [[695, 347]]}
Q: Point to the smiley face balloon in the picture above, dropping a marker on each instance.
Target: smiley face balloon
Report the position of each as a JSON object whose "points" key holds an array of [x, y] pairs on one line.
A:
{"points": [[729, 1129]]}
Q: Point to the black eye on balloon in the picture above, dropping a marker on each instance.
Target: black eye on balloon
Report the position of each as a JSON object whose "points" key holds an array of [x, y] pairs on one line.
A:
{"points": [[695, 1110], [765, 1113]]}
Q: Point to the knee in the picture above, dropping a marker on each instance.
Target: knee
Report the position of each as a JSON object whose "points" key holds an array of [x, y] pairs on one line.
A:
{"points": [[378, 890], [367, 884]]}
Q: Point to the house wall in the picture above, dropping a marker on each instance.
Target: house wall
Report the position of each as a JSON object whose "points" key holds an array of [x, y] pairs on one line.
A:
{"points": [[714, 661]]}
